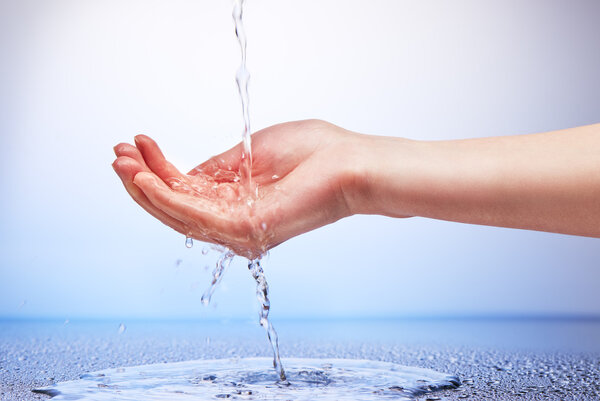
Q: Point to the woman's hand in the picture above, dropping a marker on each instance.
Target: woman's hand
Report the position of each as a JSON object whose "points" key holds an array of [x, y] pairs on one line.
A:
{"points": [[301, 172]]}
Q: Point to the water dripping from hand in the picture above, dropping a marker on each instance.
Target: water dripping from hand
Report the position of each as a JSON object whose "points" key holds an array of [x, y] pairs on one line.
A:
{"points": [[262, 294]]}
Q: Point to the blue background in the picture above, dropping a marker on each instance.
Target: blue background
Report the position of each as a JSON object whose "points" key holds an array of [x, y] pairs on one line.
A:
{"points": [[77, 77]]}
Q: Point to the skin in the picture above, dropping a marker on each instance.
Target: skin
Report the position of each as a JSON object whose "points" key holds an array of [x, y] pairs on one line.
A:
{"points": [[312, 173]]}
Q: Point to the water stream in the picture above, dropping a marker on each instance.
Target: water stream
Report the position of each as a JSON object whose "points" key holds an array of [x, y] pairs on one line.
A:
{"points": [[262, 288], [262, 293], [242, 77]]}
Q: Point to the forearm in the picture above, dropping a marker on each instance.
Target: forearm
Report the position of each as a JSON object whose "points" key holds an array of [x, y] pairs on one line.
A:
{"points": [[546, 182]]}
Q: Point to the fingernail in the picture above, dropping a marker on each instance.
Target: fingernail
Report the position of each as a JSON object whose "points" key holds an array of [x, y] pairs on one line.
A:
{"points": [[144, 176], [139, 137], [139, 177]]}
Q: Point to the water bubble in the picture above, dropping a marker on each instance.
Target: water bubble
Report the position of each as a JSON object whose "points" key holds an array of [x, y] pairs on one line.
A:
{"points": [[189, 242], [274, 177], [205, 250], [122, 329], [263, 225], [178, 262]]}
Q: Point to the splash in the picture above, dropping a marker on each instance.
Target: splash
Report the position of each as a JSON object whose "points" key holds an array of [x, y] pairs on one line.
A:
{"points": [[247, 378]]}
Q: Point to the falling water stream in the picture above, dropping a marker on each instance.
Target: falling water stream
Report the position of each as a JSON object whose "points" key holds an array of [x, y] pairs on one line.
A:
{"points": [[242, 78]]}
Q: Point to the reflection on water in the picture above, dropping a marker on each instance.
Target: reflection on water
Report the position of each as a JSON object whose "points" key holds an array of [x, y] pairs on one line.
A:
{"points": [[252, 378]]}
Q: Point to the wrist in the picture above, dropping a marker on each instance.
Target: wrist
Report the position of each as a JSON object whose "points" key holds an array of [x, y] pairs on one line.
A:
{"points": [[375, 176]]}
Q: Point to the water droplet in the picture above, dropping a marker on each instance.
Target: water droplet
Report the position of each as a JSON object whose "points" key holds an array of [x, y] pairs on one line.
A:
{"points": [[274, 177], [205, 250], [122, 328], [189, 242], [263, 225], [66, 322], [178, 262]]}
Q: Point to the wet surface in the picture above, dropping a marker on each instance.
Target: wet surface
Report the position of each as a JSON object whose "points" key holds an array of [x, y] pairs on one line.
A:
{"points": [[501, 360]]}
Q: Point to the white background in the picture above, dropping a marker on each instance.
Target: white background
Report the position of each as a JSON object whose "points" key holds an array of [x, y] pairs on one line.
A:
{"points": [[77, 77]]}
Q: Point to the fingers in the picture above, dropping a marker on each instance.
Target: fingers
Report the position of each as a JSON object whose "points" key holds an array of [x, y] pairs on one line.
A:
{"points": [[151, 181], [125, 149], [156, 161], [127, 168]]}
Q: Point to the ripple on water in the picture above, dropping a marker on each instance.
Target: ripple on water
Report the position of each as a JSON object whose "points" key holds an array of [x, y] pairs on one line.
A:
{"points": [[254, 379]]}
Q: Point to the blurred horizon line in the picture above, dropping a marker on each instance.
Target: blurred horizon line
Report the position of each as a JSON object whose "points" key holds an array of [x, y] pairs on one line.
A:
{"points": [[316, 319]]}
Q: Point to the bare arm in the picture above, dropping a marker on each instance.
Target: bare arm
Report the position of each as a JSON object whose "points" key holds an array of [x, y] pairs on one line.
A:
{"points": [[312, 173], [547, 182]]}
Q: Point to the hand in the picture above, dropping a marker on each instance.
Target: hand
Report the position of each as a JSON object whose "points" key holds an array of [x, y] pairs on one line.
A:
{"points": [[300, 171]]}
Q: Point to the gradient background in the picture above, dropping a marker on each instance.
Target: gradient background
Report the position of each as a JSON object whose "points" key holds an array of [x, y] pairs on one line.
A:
{"points": [[77, 77]]}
